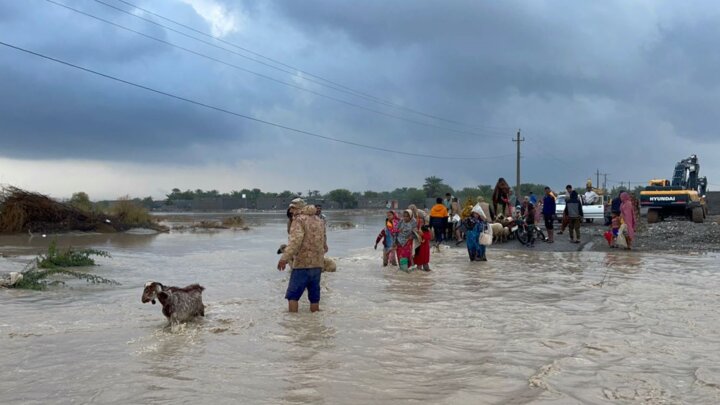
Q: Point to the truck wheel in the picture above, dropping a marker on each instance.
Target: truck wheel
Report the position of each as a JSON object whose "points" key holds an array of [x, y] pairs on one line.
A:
{"points": [[697, 215], [653, 216]]}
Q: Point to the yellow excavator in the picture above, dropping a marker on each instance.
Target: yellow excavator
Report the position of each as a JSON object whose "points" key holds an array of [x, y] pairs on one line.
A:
{"points": [[684, 196]]}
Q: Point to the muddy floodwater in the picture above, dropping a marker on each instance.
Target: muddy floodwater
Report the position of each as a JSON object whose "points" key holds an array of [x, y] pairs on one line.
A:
{"points": [[524, 327]]}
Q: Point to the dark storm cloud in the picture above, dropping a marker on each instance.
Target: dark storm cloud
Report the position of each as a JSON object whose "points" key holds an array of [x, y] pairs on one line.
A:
{"points": [[57, 112], [486, 50], [685, 87], [576, 76]]}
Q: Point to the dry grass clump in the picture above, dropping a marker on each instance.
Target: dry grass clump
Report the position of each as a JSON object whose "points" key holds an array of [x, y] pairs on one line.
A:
{"points": [[236, 222], [209, 225], [131, 214]]}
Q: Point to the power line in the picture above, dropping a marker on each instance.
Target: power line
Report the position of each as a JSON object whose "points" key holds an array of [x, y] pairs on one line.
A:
{"points": [[201, 104], [324, 82], [348, 103], [564, 163], [554, 157]]}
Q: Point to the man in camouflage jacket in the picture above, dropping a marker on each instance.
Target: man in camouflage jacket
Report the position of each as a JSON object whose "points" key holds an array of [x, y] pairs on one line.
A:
{"points": [[307, 245]]}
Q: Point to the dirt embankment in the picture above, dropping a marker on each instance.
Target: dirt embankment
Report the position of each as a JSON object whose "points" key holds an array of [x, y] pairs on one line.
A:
{"points": [[670, 236], [678, 235]]}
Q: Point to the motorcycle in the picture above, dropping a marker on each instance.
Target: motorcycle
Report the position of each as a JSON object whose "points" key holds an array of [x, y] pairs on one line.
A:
{"points": [[523, 231]]}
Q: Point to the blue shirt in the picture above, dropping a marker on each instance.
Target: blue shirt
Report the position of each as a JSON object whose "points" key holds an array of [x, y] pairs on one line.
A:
{"points": [[548, 205]]}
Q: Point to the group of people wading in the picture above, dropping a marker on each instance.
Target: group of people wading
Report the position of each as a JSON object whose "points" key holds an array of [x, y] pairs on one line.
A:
{"points": [[406, 238]]}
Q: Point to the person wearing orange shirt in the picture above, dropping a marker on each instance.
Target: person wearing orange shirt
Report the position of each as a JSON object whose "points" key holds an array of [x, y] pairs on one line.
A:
{"points": [[439, 220]]}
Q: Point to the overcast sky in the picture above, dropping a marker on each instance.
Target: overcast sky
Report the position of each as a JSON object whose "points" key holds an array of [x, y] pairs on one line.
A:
{"points": [[625, 87]]}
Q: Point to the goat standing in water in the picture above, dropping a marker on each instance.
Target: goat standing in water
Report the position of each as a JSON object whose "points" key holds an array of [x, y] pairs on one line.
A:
{"points": [[179, 304]]}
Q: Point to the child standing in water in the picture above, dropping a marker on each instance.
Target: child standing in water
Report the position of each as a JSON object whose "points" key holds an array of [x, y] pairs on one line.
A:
{"points": [[615, 228], [422, 254], [387, 236]]}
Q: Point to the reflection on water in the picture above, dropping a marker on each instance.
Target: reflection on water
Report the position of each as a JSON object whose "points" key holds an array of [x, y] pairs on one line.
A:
{"points": [[523, 327], [30, 245]]}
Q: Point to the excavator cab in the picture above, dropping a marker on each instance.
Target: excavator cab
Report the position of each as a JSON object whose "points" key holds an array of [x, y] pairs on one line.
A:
{"points": [[659, 183]]}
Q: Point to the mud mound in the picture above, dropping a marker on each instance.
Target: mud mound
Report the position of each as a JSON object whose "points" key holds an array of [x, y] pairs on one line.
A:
{"points": [[24, 211]]}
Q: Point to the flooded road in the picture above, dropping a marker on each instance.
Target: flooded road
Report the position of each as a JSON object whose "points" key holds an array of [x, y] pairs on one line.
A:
{"points": [[524, 327]]}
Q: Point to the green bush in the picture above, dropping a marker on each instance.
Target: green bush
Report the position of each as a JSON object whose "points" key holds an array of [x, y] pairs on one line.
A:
{"points": [[56, 262], [68, 258]]}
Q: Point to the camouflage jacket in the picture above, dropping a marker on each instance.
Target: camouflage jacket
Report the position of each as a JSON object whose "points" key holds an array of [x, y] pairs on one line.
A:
{"points": [[307, 240]]}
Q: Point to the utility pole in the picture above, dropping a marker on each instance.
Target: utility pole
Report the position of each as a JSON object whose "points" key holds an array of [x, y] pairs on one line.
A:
{"points": [[517, 163], [597, 178], [605, 181]]}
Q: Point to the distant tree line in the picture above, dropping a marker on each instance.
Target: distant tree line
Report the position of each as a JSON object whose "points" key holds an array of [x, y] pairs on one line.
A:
{"points": [[432, 188]]}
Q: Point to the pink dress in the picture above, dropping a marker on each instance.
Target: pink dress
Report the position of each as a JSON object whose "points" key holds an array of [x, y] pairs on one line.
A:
{"points": [[627, 211]]}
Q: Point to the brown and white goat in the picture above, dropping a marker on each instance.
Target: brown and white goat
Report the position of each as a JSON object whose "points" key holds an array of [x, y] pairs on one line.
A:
{"points": [[179, 304]]}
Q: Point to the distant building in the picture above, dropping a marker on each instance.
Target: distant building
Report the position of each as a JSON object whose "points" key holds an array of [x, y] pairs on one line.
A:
{"points": [[372, 203], [279, 203]]}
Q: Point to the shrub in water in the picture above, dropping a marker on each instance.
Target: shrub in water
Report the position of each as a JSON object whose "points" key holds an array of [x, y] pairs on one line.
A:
{"points": [[56, 262]]}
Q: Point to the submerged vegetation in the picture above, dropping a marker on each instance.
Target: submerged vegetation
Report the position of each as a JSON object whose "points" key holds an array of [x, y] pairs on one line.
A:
{"points": [[56, 262]]}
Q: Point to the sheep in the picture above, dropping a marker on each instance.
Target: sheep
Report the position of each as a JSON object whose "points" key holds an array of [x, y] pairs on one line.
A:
{"points": [[507, 224], [179, 304], [329, 265], [497, 231]]}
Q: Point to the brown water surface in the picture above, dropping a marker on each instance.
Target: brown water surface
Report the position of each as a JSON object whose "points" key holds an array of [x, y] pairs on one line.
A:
{"points": [[524, 327]]}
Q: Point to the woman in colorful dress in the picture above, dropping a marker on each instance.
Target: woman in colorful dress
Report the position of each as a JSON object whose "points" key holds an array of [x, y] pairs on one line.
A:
{"points": [[407, 229], [474, 227], [627, 213]]}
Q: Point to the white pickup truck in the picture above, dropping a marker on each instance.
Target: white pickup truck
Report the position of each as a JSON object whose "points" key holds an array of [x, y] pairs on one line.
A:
{"points": [[590, 212]]}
